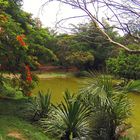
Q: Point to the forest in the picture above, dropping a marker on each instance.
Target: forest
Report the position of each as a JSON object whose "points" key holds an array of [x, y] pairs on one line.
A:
{"points": [[36, 61]]}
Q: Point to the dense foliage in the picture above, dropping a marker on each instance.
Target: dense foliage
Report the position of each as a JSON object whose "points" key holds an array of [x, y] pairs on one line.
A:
{"points": [[68, 120], [125, 65], [86, 48], [110, 107], [23, 44], [39, 106], [96, 43]]}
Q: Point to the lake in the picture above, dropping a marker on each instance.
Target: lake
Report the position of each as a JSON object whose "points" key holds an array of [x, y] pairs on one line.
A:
{"points": [[61, 83]]}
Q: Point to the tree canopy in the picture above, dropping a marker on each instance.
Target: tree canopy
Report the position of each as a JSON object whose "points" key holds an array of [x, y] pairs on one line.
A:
{"points": [[122, 13], [23, 44]]}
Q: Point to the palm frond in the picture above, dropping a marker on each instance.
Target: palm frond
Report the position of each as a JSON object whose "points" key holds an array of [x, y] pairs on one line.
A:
{"points": [[70, 118], [132, 86], [98, 88], [39, 106], [110, 105]]}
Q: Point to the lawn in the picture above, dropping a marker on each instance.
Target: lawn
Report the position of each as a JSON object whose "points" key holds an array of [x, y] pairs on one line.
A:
{"points": [[13, 126]]}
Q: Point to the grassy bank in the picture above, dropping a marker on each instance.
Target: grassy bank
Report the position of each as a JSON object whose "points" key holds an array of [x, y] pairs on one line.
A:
{"points": [[12, 126], [53, 75], [62, 74]]}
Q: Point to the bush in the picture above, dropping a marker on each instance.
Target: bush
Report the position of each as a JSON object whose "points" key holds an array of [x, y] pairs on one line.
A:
{"points": [[69, 119], [80, 59], [38, 107], [110, 107], [7, 89], [125, 65]]}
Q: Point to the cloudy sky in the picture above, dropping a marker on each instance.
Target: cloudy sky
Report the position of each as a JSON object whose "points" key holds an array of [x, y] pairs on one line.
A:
{"points": [[51, 13]]}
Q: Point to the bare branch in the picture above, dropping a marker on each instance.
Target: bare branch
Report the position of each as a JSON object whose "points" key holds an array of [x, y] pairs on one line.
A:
{"points": [[120, 12], [68, 18]]}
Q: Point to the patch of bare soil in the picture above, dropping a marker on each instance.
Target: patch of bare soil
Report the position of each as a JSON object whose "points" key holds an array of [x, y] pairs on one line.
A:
{"points": [[57, 68], [16, 134]]}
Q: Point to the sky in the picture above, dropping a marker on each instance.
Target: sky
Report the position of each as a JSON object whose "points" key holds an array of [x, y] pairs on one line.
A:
{"points": [[52, 13]]}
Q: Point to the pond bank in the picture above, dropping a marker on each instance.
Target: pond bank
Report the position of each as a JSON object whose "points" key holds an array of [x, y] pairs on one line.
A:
{"points": [[59, 84], [51, 68]]}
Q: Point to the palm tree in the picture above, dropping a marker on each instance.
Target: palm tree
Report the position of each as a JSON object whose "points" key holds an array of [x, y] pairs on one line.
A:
{"points": [[69, 119]]}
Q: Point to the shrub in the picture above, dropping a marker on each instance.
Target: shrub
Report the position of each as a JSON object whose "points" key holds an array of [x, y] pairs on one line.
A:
{"points": [[7, 89], [69, 119], [80, 59], [125, 65], [39, 107], [110, 107]]}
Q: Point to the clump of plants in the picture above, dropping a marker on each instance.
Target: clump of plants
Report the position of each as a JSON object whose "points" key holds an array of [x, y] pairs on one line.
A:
{"points": [[125, 65], [98, 112], [7, 89], [110, 108], [69, 119], [38, 107]]}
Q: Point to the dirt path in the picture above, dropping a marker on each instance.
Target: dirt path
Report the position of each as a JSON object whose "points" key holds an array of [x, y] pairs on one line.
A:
{"points": [[16, 134]]}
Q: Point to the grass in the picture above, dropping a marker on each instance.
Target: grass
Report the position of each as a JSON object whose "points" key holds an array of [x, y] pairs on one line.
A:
{"points": [[13, 126], [53, 74], [44, 74]]}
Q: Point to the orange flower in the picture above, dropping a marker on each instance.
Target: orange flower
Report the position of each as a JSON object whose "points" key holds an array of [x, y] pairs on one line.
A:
{"points": [[28, 74], [20, 40]]}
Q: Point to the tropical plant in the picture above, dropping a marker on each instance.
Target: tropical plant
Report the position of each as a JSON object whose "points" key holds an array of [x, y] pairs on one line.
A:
{"points": [[125, 65], [133, 86], [69, 119], [110, 107], [39, 106]]}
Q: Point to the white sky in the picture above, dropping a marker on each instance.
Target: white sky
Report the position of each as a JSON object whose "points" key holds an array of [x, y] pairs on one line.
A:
{"points": [[54, 12], [51, 13]]}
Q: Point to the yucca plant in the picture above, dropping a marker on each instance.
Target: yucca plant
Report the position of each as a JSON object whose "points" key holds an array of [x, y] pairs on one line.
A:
{"points": [[110, 106], [69, 120], [133, 86], [39, 106]]}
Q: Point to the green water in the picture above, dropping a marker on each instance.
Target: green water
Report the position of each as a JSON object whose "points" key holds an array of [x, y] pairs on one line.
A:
{"points": [[135, 118], [59, 84]]}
